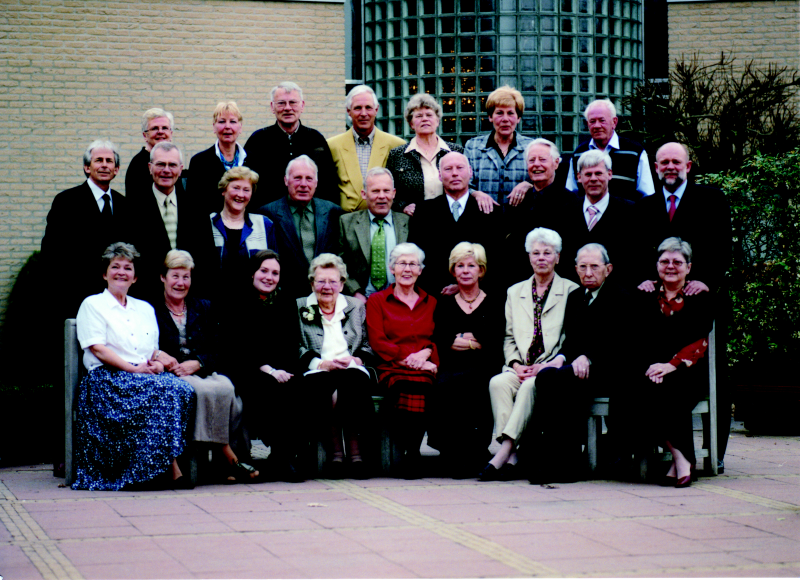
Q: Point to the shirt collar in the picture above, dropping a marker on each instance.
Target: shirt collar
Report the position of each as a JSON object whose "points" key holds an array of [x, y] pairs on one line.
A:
{"points": [[678, 192], [462, 201], [601, 206], [160, 196], [490, 142], [341, 303], [295, 207], [114, 303], [370, 138], [387, 218], [242, 152], [613, 143], [285, 132], [98, 193], [412, 145]]}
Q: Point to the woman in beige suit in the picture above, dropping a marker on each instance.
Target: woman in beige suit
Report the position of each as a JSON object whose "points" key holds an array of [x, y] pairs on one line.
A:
{"points": [[333, 353], [534, 319]]}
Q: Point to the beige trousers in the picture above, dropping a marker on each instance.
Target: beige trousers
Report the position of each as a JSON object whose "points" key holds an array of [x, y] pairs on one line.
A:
{"points": [[512, 404]]}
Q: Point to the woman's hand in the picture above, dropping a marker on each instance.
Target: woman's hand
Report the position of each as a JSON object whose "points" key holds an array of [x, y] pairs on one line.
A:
{"points": [[465, 341], [281, 376], [151, 367], [429, 366], [418, 359], [336, 364], [409, 209], [185, 368], [517, 194], [658, 371], [169, 362]]}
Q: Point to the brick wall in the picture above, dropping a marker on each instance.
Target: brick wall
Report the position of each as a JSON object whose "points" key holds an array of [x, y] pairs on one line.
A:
{"points": [[764, 31], [73, 71]]}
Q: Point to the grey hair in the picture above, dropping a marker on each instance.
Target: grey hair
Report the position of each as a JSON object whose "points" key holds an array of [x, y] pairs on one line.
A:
{"points": [[100, 144], [305, 159], [375, 172], [118, 250], [286, 87], [683, 146], [593, 157], [357, 90], [543, 236], [166, 146], [593, 247], [406, 249], [606, 103], [422, 101], [676, 245], [327, 261], [155, 113], [554, 152]]}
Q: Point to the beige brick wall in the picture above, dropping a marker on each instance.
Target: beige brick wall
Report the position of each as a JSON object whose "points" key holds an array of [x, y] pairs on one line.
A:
{"points": [[73, 71], [764, 31]]}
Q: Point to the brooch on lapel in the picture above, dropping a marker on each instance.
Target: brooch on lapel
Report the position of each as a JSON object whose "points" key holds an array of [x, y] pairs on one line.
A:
{"points": [[310, 314]]}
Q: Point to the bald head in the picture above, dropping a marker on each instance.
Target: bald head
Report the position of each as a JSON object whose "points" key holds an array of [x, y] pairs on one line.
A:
{"points": [[672, 165], [455, 173]]}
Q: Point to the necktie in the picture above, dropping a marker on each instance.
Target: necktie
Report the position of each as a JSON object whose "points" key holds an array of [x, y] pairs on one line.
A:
{"points": [[587, 298], [672, 206], [456, 210], [107, 215], [171, 223], [307, 237], [378, 257], [592, 216]]}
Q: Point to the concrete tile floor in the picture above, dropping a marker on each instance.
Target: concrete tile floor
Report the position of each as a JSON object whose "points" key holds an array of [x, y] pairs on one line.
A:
{"points": [[745, 523]]}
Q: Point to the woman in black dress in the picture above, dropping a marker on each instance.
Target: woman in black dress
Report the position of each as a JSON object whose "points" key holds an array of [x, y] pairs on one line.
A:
{"points": [[468, 335]]}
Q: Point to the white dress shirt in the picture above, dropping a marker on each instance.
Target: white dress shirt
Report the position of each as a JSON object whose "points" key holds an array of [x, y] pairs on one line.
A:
{"points": [[644, 179]]}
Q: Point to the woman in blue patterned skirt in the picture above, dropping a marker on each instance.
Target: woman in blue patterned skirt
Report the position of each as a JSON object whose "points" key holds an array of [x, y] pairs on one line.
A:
{"points": [[132, 417]]}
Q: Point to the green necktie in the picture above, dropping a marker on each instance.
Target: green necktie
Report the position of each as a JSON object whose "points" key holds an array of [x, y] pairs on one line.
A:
{"points": [[307, 237], [378, 257]]}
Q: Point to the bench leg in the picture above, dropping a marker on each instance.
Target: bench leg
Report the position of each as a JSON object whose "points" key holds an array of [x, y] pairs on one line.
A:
{"points": [[591, 443]]}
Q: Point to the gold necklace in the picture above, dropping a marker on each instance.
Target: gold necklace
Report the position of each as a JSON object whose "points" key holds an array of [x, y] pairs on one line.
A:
{"points": [[469, 302], [176, 314]]}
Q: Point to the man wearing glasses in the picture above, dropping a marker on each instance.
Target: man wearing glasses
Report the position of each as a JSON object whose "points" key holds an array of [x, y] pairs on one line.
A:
{"points": [[270, 149], [157, 125]]}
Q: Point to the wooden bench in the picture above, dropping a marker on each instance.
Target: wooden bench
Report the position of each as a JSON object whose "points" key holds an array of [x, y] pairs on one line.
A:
{"points": [[707, 451]]}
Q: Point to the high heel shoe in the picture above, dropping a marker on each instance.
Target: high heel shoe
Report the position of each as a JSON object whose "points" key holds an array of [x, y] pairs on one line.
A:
{"points": [[686, 480]]}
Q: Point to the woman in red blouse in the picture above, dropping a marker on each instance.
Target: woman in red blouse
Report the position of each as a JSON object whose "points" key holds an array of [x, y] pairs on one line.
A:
{"points": [[400, 329], [676, 319]]}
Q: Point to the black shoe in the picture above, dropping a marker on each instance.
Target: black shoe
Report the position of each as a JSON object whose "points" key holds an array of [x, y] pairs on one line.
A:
{"points": [[359, 470], [489, 473], [334, 470]]}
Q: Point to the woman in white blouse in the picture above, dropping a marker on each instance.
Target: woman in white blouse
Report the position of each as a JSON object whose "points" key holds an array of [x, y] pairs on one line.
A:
{"points": [[333, 353], [132, 417]]}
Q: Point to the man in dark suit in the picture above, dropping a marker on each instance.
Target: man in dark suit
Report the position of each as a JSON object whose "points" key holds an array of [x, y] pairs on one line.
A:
{"points": [[270, 149], [167, 218], [441, 223], [595, 334], [357, 236], [82, 223], [596, 217], [700, 215], [305, 227]]}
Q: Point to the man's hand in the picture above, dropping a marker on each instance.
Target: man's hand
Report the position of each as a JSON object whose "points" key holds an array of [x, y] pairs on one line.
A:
{"points": [[695, 287], [186, 368], [409, 209], [450, 290], [360, 296], [485, 201], [517, 195], [647, 286], [580, 366], [169, 362]]}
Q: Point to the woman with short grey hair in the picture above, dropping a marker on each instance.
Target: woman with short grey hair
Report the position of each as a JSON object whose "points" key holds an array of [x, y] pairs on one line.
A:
{"points": [[415, 166]]}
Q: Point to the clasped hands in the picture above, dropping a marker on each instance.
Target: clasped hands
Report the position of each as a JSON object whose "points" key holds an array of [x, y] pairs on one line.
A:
{"points": [[171, 364], [339, 363], [524, 372], [465, 341], [419, 361]]}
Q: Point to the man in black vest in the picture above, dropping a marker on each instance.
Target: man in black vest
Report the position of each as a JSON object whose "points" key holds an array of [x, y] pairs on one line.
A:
{"points": [[632, 177]]}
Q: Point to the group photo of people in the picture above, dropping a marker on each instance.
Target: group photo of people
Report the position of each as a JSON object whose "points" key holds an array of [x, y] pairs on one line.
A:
{"points": [[309, 292]]}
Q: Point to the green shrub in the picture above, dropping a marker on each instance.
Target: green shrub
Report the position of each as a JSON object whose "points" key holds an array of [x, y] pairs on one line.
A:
{"points": [[764, 194]]}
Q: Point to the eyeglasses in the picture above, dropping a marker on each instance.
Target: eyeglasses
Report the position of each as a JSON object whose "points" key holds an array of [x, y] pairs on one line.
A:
{"points": [[163, 165], [404, 265], [676, 263], [323, 283], [165, 129], [286, 104]]}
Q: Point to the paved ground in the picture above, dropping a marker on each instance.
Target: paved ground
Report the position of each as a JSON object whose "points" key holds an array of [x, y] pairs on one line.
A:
{"points": [[743, 523]]}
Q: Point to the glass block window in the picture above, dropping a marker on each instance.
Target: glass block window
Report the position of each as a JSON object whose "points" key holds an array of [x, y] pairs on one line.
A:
{"points": [[561, 54]]}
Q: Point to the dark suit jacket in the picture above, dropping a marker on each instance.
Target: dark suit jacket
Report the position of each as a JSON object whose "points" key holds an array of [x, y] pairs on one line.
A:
{"points": [[406, 169], [74, 240], [151, 239], [435, 231], [354, 328], [205, 171], [201, 334], [294, 265], [613, 231], [599, 331], [355, 247], [703, 219]]}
